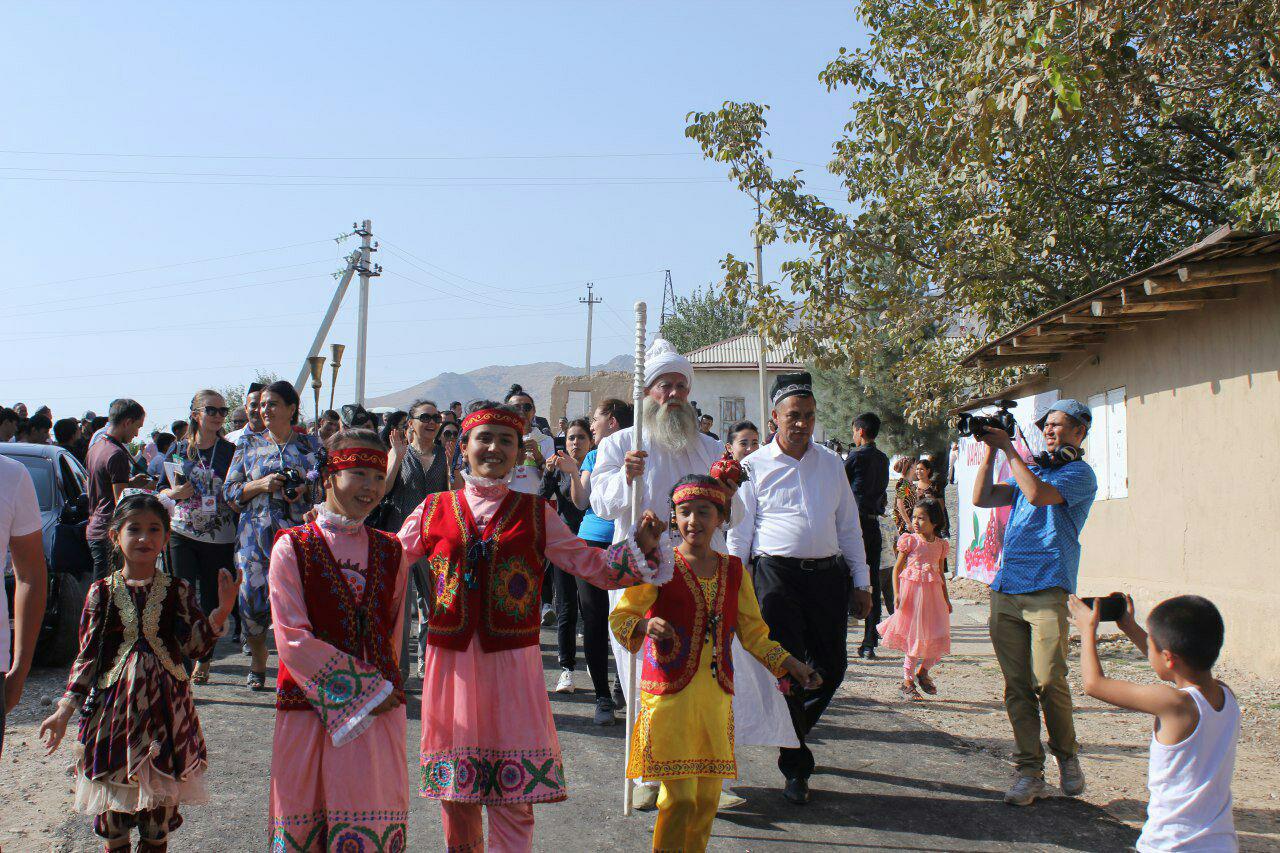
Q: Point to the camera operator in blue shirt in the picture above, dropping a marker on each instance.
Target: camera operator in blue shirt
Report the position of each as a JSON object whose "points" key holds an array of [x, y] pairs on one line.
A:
{"points": [[1050, 501]]}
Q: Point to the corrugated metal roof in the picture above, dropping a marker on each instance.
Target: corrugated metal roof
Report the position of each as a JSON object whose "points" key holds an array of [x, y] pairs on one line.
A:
{"points": [[744, 351], [1084, 319]]}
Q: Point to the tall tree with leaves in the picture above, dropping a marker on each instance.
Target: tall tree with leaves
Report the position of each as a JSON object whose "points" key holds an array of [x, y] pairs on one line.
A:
{"points": [[702, 318], [1003, 156]]}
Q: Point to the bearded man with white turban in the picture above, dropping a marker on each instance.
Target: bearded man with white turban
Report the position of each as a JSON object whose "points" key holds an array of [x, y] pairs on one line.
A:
{"points": [[673, 449]]}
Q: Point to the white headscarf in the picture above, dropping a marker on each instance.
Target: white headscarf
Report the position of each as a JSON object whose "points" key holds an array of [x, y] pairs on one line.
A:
{"points": [[660, 358]]}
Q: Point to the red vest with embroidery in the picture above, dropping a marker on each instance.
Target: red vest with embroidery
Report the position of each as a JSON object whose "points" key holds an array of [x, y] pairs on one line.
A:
{"points": [[484, 581], [669, 665], [364, 627]]}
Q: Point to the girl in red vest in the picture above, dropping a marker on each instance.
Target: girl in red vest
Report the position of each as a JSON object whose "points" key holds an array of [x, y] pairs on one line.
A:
{"points": [[684, 732], [143, 752], [339, 779], [488, 738]]}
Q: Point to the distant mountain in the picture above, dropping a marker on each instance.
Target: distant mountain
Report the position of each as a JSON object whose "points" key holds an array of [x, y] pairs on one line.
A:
{"points": [[492, 382]]}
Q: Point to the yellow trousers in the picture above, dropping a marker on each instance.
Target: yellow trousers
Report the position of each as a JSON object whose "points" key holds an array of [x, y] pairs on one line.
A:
{"points": [[686, 808]]}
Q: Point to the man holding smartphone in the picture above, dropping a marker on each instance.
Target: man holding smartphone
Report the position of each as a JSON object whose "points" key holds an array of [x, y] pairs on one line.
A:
{"points": [[1050, 501]]}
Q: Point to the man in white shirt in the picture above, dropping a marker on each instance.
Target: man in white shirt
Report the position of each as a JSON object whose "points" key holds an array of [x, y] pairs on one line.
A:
{"points": [[252, 397], [800, 521], [673, 449], [20, 535]]}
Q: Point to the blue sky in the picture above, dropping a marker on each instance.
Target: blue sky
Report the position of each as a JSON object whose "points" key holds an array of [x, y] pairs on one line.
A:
{"points": [[446, 124]]}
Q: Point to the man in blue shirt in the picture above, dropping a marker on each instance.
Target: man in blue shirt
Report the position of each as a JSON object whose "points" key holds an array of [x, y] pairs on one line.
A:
{"points": [[1041, 557]]}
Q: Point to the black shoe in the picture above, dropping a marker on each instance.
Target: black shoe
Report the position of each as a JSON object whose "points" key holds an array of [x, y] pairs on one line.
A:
{"points": [[867, 654], [256, 681], [619, 701], [604, 713], [797, 791]]}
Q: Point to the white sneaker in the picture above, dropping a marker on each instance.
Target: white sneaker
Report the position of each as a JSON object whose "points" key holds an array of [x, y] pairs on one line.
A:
{"points": [[1025, 791], [1071, 777], [565, 683], [548, 615]]}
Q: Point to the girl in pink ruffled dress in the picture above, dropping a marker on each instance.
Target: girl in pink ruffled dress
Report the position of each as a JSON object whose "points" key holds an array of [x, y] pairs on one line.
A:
{"points": [[921, 625]]}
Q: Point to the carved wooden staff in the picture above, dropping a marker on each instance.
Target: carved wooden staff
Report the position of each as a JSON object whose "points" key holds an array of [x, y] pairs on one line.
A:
{"points": [[637, 489]]}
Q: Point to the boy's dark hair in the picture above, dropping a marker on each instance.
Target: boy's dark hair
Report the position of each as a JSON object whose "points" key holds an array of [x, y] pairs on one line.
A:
{"points": [[99, 422], [7, 414], [64, 429], [869, 423], [619, 410], [694, 480], [254, 388], [177, 427], [125, 409], [739, 427], [517, 390], [164, 441], [933, 507], [1190, 627], [40, 422]]}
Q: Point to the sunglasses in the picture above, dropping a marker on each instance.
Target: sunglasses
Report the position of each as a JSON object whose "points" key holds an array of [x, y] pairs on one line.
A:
{"points": [[216, 411], [524, 407], [426, 418], [448, 434]]}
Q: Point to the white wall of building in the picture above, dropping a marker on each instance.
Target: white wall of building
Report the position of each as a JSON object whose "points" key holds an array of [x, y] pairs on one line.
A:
{"points": [[711, 387]]}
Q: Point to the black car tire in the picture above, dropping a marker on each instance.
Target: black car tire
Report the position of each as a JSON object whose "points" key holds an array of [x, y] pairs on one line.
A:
{"points": [[60, 635]]}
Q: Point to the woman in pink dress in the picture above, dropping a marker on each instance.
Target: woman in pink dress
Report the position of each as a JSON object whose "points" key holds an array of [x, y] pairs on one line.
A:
{"points": [[339, 774], [488, 738], [921, 625]]}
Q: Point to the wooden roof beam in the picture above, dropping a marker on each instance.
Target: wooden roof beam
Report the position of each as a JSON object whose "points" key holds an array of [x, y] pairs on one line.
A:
{"points": [[1104, 323], [1023, 349], [1045, 336], [994, 360], [1131, 303], [1229, 266], [1173, 284]]}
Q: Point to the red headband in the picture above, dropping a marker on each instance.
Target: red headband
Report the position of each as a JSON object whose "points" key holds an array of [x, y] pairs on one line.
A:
{"points": [[357, 457], [493, 416], [698, 492]]}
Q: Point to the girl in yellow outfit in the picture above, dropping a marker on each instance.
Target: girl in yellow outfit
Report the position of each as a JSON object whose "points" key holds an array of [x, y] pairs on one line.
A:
{"points": [[684, 731]]}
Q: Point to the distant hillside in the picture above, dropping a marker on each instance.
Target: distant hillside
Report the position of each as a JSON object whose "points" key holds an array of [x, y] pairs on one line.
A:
{"points": [[492, 382]]}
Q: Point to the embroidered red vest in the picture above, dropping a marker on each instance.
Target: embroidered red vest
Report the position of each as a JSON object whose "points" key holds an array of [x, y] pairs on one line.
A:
{"points": [[669, 665], [498, 591], [337, 617]]}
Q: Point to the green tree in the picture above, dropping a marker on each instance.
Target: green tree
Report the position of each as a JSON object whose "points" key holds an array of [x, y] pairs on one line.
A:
{"points": [[1001, 157], [702, 318]]}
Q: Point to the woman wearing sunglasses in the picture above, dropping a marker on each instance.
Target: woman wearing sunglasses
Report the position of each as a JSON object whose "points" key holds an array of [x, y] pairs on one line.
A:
{"points": [[418, 465], [204, 526]]}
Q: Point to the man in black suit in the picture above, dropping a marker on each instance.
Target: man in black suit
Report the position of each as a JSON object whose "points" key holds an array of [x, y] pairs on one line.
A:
{"points": [[868, 471]]}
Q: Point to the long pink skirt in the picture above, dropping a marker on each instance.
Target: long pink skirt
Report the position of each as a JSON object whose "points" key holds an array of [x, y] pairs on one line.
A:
{"points": [[487, 731], [921, 625]]}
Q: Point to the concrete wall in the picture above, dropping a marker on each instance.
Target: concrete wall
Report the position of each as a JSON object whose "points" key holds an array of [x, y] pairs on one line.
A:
{"points": [[1202, 515], [601, 386]]}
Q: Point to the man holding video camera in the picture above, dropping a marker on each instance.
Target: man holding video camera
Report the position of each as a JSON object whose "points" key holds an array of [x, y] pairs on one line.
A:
{"points": [[1050, 500]]}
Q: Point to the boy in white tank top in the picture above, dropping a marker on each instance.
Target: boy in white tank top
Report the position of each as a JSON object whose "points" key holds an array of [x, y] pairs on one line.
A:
{"points": [[1197, 721]]}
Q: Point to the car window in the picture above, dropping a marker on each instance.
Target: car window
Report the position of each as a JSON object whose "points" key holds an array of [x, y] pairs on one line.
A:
{"points": [[42, 475], [71, 486]]}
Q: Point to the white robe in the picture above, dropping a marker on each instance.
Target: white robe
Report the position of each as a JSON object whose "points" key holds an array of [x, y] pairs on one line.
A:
{"points": [[759, 709]]}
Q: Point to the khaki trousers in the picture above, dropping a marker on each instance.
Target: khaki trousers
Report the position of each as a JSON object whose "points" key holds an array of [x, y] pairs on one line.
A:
{"points": [[1029, 634]]}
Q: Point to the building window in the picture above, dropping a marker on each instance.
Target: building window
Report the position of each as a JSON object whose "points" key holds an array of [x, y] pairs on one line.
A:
{"points": [[732, 410], [1106, 448]]}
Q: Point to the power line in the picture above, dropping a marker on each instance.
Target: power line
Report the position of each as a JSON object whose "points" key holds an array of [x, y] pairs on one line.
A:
{"points": [[440, 183], [279, 177], [166, 296], [597, 156]]}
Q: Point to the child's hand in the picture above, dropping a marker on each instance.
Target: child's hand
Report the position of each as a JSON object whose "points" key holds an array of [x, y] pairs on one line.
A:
{"points": [[228, 589], [54, 728], [805, 675], [659, 629], [1127, 620], [1085, 618], [392, 702], [649, 531]]}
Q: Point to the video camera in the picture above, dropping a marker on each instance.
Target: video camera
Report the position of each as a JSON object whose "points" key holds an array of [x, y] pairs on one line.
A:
{"points": [[293, 480], [976, 425]]}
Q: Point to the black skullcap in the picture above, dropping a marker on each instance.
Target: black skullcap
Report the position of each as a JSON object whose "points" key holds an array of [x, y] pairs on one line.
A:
{"points": [[791, 385]]}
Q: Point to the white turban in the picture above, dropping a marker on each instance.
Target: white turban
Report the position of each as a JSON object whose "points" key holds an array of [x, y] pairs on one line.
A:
{"points": [[660, 358]]}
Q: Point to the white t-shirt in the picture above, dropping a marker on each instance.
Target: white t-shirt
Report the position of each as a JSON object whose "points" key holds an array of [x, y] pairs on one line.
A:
{"points": [[19, 516]]}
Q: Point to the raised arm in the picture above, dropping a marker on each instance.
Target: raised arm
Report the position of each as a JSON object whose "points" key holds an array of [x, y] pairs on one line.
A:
{"points": [[987, 494], [621, 565]]}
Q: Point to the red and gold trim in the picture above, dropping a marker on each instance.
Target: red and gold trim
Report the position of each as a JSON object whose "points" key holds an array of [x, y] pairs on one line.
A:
{"points": [[696, 492], [357, 457], [493, 416]]}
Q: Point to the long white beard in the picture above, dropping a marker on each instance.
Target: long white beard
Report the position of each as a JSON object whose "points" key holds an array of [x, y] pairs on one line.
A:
{"points": [[673, 426]]}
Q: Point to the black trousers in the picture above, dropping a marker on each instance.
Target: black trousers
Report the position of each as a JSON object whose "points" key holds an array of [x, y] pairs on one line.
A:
{"points": [[573, 596], [808, 613], [100, 550], [874, 542], [198, 563]]}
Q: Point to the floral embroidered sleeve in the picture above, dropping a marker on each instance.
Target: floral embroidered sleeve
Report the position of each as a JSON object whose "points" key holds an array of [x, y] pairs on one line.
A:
{"points": [[80, 679], [196, 633], [341, 688], [621, 565], [629, 612], [753, 633]]}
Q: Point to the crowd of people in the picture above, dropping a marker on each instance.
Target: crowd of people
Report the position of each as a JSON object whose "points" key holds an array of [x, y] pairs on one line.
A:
{"points": [[435, 544]]}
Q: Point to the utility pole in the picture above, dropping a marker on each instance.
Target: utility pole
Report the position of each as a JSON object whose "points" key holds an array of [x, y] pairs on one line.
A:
{"points": [[366, 270], [764, 405], [668, 302], [590, 302]]}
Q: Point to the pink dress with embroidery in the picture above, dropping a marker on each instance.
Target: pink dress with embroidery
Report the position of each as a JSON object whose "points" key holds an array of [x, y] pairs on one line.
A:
{"points": [[488, 736], [339, 778], [921, 625]]}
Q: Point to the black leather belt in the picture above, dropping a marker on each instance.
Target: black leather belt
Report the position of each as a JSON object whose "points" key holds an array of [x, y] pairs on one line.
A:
{"points": [[807, 564]]}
